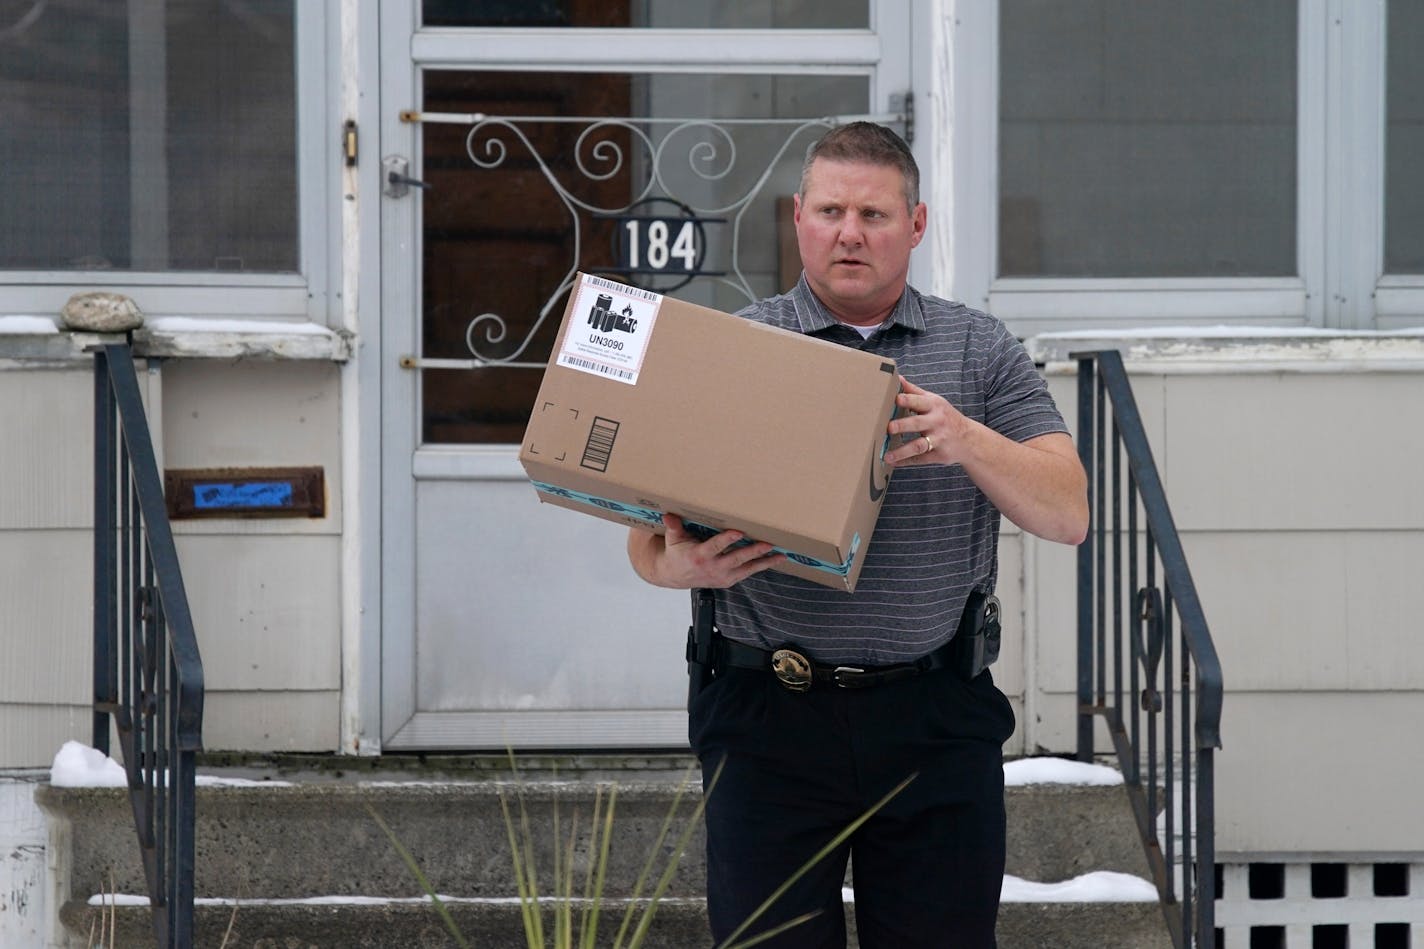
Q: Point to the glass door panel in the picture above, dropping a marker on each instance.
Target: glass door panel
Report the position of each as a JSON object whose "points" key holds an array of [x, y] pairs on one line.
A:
{"points": [[657, 14], [535, 176]]}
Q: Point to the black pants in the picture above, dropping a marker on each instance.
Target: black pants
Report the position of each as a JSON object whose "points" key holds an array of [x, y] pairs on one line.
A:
{"points": [[798, 768]]}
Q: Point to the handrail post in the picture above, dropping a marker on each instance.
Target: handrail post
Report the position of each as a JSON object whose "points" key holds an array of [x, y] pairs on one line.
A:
{"points": [[1085, 566], [1206, 849], [105, 680]]}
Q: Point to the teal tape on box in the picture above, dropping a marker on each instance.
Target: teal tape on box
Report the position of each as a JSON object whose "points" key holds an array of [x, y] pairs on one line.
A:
{"points": [[654, 519]]}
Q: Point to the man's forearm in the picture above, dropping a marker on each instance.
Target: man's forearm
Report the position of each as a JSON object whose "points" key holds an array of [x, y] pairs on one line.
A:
{"points": [[643, 546], [1038, 484]]}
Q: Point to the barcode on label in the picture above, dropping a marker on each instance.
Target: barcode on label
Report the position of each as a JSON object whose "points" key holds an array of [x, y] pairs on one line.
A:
{"points": [[599, 367], [599, 449], [637, 293]]}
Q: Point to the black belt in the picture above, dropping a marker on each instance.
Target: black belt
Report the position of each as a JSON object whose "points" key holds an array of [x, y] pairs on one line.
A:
{"points": [[797, 673]]}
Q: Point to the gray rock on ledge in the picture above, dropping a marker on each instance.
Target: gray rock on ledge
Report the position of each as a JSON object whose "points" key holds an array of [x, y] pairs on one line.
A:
{"points": [[101, 312]]}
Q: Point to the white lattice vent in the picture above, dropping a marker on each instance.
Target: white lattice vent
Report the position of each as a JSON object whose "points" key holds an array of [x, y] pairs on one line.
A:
{"points": [[1320, 905]]}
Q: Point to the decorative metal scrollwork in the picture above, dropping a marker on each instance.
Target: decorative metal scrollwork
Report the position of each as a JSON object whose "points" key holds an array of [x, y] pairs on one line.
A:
{"points": [[711, 154], [1149, 650]]}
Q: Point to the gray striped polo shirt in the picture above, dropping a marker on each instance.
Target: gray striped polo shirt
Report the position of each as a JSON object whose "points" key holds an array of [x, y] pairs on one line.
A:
{"points": [[937, 536]]}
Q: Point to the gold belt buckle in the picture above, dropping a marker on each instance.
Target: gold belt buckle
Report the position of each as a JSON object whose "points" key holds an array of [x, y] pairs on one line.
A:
{"points": [[792, 669]]}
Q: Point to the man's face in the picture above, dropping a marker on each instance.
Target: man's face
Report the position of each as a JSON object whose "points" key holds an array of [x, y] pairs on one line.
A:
{"points": [[856, 234]]}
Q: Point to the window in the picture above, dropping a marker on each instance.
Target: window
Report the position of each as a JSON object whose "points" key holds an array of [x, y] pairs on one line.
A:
{"points": [[1164, 163], [1404, 141], [157, 138], [159, 145], [1151, 139]]}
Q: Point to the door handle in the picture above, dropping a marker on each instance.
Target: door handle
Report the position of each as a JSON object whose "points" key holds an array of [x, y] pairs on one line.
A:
{"points": [[397, 181]]}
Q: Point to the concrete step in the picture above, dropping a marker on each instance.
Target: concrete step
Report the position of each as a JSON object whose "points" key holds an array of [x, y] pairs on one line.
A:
{"points": [[677, 924], [313, 835], [322, 838], [1061, 831]]}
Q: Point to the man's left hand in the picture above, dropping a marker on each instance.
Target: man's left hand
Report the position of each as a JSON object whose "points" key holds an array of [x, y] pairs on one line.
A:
{"points": [[938, 427], [1038, 483]]}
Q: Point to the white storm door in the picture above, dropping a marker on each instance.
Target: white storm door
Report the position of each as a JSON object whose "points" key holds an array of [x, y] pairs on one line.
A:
{"points": [[533, 150]]}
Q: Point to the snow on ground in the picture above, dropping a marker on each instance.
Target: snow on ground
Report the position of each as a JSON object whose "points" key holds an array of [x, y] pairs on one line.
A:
{"points": [[1058, 771], [1102, 886], [76, 765], [213, 781], [129, 899]]}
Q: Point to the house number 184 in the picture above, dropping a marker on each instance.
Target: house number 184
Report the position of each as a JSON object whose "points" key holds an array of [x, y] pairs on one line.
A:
{"points": [[648, 246]]}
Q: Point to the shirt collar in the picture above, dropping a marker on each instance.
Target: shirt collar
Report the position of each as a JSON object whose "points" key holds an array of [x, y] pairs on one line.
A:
{"points": [[813, 316]]}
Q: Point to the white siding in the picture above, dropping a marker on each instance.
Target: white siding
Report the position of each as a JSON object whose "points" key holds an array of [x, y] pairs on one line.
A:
{"points": [[46, 611], [47, 464], [265, 594], [265, 611], [254, 414], [272, 721], [1297, 451], [46, 562], [1321, 772]]}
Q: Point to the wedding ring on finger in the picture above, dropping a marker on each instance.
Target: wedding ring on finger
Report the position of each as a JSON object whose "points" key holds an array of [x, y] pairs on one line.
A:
{"points": [[929, 445]]}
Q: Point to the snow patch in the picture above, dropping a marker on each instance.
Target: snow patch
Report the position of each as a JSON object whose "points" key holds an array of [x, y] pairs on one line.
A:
{"points": [[213, 781], [27, 325], [1059, 771], [190, 324], [129, 899], [77, 765], [1102, 886]]}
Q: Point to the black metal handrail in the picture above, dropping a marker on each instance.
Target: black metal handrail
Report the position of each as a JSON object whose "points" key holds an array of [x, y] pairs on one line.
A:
{"points": [[148, 676], [1148, 626]]}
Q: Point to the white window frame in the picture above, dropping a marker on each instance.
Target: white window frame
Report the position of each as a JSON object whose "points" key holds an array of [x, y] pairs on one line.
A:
{"points": [[1340, 200], [281, 297]]}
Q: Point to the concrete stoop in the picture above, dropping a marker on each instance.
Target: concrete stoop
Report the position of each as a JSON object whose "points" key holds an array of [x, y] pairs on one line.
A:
{"points": [[678, 924], [268, 846]]}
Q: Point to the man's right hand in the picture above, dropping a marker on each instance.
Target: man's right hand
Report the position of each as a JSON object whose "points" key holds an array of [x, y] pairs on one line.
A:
{"points": [[679, 560]]}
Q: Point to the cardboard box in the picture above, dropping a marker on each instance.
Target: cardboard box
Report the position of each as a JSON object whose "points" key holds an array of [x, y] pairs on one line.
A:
{"points": [[650, 404]]}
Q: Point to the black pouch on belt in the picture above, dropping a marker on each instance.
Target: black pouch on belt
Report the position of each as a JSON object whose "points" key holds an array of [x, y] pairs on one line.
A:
{"points": [[976, 643], [700, 637]]}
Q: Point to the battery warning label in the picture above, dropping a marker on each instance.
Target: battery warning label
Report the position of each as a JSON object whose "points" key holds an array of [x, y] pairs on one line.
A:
{"points": [[609, 328]]}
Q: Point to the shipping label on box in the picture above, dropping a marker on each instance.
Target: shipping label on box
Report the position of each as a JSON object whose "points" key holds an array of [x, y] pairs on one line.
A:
{"points": [[654, 405], [613, 339]]}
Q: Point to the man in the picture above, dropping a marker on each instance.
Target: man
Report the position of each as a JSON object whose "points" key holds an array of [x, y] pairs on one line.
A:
{"points": [[979, 436]]}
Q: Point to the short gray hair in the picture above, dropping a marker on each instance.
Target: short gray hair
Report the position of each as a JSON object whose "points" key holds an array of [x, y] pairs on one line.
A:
{"points": [[871, 144]]}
